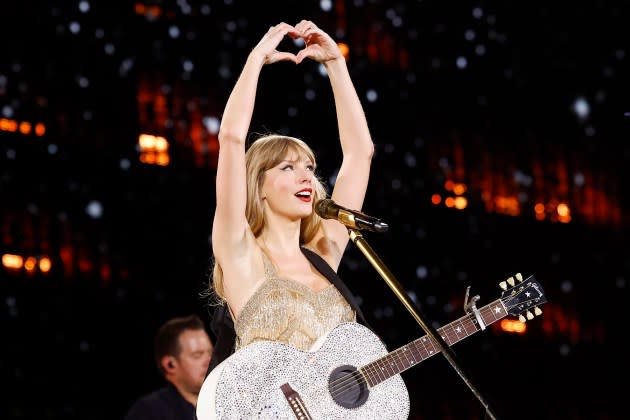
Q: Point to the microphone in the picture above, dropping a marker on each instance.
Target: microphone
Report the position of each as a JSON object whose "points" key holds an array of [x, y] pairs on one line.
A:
{"points": [[328, 209]]}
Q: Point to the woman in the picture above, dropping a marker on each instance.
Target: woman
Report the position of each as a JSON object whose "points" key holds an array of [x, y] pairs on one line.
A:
{"points": [[274, 257], [276, 262]]}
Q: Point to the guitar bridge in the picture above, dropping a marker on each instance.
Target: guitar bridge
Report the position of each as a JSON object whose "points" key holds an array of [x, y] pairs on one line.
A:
{"points": [[295, 402]]}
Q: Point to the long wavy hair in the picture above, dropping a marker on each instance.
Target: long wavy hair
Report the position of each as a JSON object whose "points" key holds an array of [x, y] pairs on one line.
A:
{"points": [[263, 154]]}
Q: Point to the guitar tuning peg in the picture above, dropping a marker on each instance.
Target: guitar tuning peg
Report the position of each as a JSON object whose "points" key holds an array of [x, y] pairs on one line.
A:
{"points": [[537, 311], [519, 277], [511, 281], [522, 318], [529, 315], [503, 285]]}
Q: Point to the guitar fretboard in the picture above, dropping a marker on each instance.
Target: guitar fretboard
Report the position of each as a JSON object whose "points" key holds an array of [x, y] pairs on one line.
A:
{"points": [[424, 347]]}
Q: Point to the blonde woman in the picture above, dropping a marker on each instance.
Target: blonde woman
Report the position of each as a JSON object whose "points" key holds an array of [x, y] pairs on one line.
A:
{"points": [[275, 259], [266, 235]]}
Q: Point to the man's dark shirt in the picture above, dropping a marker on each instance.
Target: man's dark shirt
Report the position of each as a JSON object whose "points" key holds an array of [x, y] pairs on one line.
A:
{"points": [[163, 404]]}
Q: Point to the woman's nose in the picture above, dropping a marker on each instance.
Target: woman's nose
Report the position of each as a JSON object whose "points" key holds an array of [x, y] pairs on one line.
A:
{"points": [[304, 175]]}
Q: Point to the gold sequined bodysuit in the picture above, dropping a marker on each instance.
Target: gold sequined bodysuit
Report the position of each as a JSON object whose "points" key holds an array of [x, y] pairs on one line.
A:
{"points": [[290, 312]]}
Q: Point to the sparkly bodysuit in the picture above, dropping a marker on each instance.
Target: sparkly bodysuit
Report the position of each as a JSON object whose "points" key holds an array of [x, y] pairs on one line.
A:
{"points": [[286, 311]]}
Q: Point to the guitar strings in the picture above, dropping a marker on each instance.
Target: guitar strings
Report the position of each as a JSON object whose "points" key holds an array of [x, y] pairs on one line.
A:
{"points": [[342, 384], [350, 380]]}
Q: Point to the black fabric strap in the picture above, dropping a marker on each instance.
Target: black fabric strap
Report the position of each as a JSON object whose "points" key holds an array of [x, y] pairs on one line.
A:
{"points": [[323, 267], [222, 325]]}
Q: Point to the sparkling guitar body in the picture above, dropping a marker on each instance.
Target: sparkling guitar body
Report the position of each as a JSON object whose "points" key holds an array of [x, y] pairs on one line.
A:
{"points": [[247, 385]]}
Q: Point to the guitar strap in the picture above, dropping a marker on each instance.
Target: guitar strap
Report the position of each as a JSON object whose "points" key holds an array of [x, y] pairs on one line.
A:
{"points": [[323, 267], [222, 325]]}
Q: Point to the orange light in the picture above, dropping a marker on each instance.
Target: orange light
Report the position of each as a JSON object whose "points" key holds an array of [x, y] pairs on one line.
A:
{"points": [[148, 158], [147, 142], [507, 205], [162, 159], [151, 143], [345, 49], [156, 11], [161, 144], [460, 202], [30, 264], [449, 202], [563, 210], [154, 149], [436, 199], [25, 127], [40, 129], [12, 261], [45, 264], [513, 326], [8, 125], [459, 189]]}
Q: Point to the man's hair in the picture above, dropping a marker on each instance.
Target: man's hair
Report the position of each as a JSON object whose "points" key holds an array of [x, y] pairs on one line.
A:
{"points": [[166, 341]]}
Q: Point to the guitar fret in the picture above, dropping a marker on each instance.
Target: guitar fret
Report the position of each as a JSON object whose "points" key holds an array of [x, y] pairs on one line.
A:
{"points": [[405, 352], [400, 363], [370, 373], [379, 370]]}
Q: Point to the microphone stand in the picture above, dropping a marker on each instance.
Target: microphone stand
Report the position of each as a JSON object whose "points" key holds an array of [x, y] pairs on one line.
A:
{"points": [[391, 281]]}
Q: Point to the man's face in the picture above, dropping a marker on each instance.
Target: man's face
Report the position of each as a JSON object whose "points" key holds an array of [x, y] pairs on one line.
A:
{"points": [[193, 360]]}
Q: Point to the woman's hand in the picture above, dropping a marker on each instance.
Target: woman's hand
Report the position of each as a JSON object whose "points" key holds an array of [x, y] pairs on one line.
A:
{"points": [[267, 46], [319, 46]]}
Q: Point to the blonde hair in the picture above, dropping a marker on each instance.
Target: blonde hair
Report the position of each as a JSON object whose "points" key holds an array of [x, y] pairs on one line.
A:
{"points": [[263, 154]]}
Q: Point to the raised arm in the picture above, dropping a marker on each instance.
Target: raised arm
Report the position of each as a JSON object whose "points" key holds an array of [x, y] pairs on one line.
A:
{"points": [[354, 135], [230, 231]]}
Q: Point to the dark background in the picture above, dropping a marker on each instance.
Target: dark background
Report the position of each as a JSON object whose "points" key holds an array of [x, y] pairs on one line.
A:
{"points": [[522, 102]]}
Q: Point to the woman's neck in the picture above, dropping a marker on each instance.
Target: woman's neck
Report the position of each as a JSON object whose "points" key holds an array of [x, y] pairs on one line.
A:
{"points": [[286, 243]]}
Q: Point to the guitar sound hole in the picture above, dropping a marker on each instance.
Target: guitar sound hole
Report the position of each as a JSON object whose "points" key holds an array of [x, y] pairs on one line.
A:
{"points": [[347, 387]]}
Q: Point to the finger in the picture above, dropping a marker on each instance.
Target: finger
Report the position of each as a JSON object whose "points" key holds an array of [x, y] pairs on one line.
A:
{"points": [[285, 56], [308, 52], [288, 30], [306, 26], [276, 33], [301, 25], [281, 29]]}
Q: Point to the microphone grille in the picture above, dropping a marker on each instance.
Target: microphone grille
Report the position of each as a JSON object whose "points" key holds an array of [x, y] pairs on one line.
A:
{"points": [[322, 208]]}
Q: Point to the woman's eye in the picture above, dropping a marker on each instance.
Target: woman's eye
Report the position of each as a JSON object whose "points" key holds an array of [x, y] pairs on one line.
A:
{"points": [[287, 167]]}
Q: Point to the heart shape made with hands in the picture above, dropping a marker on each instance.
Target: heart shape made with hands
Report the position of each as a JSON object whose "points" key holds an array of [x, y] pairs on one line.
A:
{"points": [[291, 45], [309, 41]]}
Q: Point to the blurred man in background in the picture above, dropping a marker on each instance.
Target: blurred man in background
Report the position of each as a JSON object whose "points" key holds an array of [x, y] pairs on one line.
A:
{"points": [[182, 351]]}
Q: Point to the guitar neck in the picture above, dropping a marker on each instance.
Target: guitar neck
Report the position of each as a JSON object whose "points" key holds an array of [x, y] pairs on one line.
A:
{"points": [[424, 347]]}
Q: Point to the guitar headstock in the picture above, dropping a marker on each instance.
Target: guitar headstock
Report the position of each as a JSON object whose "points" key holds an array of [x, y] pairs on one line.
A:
{"points": [[522, 296]]}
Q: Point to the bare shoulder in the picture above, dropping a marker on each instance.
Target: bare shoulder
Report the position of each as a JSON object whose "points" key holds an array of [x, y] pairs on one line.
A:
{"points": [[243, 271], [327, 249]]}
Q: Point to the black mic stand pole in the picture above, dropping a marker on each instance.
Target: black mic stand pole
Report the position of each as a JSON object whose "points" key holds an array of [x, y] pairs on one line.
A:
{"points": [[391, 281]]}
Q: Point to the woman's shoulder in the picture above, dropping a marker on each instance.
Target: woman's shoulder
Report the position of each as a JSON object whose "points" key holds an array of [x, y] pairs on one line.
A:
{"points": [[325, 249], [243, 274]]}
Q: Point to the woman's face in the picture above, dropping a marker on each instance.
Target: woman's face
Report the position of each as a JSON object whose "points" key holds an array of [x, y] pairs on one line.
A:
{"points": [[288, 187]]}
